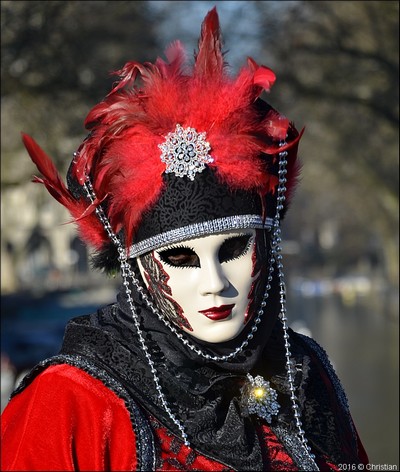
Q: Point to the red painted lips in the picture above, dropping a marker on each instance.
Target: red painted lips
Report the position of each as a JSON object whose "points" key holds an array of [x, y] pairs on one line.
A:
{"points": [[217, 313]]}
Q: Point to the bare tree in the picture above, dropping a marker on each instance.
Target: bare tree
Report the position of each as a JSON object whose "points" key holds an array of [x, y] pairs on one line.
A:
{"points": [[337, 67]]}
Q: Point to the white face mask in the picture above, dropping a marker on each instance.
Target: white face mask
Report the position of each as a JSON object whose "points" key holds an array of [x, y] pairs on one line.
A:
{"points": [[205, 285]]}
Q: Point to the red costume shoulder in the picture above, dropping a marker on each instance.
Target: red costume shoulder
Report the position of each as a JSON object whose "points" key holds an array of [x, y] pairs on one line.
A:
{"points": [[67, 420]]}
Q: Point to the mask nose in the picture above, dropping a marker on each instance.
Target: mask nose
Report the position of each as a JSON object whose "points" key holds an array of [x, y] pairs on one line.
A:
{"points": [[213, 279]]}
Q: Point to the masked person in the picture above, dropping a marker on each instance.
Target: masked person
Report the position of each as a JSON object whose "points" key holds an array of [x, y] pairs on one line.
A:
{"points": [[181, 185]]}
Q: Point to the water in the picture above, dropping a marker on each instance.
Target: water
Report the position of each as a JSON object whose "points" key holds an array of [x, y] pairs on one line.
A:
{"points": [[361, 339]]}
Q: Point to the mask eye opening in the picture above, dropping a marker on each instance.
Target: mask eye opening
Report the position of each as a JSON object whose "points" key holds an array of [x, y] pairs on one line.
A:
{"points": [[235, 247], [179, 256]]}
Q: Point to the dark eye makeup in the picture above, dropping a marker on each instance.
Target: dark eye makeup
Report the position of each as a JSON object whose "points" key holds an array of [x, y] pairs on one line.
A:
{"points": [[234, 247], [183, 256], [180, 256]]}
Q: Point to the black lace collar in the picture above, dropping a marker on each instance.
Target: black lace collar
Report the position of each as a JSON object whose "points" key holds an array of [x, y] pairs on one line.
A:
{"points": [[205, 396]]}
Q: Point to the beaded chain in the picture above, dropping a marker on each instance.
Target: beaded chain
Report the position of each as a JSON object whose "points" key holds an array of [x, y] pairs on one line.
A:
{"points": [[126, 273], [185, 341], [275, 257], [282, 300]]}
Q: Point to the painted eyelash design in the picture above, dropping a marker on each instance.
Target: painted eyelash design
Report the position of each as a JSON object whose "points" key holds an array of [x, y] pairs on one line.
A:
{"points": [[175, 246], [186, 256], [241, 236], [166, 253], [246, 249]]}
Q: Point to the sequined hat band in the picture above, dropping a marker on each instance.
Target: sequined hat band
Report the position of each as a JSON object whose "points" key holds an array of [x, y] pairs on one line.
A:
{"points": [[199, 229], [192, 208]]}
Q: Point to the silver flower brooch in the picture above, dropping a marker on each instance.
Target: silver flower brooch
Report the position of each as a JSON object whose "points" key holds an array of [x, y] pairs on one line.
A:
{"points": [[185, 152], [259, 398]]}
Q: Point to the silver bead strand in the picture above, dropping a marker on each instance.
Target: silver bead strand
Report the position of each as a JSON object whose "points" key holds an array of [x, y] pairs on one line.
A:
{"points": [[125, 272], [276, 249], [185, 341]]}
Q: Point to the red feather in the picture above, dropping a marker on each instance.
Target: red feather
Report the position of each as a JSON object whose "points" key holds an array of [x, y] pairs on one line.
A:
{"points": [[90, 227], [176, 56], [209, 59], [128, 73], [122, 156], [52, 179], [264, 77]]}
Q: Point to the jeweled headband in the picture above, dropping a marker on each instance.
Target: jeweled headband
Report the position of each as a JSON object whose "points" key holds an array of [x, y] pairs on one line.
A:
{"points": [[199, 229]]}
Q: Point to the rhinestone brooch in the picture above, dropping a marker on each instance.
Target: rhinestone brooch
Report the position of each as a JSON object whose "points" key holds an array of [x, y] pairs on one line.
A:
{"points": [[259, 398], [185, 152]]}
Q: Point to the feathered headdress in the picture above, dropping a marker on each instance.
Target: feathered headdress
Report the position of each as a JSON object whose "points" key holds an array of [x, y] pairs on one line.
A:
{"points": [[121, 155]]}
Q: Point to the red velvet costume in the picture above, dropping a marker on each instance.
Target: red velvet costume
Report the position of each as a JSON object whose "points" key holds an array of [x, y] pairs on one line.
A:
{"points": [[93, 431]]}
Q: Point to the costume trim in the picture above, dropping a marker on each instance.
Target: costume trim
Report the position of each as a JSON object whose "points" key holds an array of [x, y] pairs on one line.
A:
{"points": [[145, 448], [295, 447], [199, 229]]}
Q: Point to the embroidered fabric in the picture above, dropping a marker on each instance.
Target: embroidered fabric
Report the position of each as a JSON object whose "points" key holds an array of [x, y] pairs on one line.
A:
{"points": [[323, 425], [292, 443], [276, 459], [173, 454], [185, 202]]}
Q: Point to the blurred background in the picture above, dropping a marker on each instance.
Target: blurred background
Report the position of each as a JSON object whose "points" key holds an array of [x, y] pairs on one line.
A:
{"points": [[337, 75]]}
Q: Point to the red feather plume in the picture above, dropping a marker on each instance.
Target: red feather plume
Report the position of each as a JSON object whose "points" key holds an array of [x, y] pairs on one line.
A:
{"points": [[121, 153], [209, 61], [90, 228]]}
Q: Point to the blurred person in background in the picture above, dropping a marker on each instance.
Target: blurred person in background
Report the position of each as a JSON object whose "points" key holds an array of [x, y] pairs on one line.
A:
{"points": [[181, 185]]}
